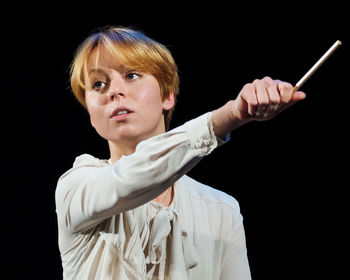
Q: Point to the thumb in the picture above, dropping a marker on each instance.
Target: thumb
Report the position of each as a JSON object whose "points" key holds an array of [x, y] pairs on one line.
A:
{"points": [[298, 96]]}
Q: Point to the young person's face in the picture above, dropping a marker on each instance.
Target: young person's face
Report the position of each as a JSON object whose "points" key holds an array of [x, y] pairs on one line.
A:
{"points": [[125, 105]]}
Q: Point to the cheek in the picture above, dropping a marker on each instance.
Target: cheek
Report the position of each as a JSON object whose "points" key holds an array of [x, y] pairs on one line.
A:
{"points": [[97, 121], [151, 99], [94, 108], [93, 117]]}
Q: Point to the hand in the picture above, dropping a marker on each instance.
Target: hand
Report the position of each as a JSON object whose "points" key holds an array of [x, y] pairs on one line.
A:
{"points": [[261, 100], [264, 99]]}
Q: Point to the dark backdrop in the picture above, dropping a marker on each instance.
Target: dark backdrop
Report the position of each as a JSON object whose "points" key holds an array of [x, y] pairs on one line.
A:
{"points": [[288, 173]]}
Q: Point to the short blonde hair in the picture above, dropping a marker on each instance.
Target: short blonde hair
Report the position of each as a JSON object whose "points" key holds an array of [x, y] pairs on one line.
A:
{"points": [[132, 49]]}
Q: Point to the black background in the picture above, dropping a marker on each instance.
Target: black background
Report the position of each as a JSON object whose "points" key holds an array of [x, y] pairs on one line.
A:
{"points": [[289, 174]]}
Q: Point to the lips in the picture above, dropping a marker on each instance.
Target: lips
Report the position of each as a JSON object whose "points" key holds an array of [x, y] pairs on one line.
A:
{"points": [[120, 111]]}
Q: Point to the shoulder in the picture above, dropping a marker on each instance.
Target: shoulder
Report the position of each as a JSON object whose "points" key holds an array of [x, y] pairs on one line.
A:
{"points": [[89, 160], [85, 160], [82, 166]]}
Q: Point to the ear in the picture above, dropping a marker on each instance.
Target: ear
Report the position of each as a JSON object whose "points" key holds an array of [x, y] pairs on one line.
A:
{"points": [[169, 102]]}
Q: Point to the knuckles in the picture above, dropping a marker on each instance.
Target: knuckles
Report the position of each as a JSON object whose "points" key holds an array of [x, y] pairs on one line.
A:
{"points": [[266, 81], [283, 86], [266, 92], [264, 98]]}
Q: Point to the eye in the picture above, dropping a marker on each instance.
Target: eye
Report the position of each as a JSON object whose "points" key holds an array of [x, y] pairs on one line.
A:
{"points": [[132, 76], [98, 85]]}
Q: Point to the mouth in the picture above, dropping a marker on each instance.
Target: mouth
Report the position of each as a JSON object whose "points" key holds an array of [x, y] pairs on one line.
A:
{"points": [[121, 113]]}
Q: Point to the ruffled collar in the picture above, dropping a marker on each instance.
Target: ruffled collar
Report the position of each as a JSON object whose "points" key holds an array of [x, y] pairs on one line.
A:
{"points": [[142, 239]]}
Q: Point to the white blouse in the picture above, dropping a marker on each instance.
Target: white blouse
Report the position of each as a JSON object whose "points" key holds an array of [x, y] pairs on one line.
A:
{"points": [[109, 227]]}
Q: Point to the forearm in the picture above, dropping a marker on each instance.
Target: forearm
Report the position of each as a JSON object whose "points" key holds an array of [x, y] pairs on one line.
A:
{"points": [[88, 194]]}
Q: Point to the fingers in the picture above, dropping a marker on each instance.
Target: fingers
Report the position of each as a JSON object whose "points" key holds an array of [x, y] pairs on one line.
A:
{"points": [[266, 97], [262, 96], [286, 92], [249, 96], [288, 96], [274, 98]]}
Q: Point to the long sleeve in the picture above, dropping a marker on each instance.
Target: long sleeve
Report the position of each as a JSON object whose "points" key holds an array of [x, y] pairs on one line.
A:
{"points": [[89, 193]]}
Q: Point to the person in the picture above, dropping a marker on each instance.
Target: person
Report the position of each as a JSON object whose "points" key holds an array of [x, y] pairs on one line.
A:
{"points": [[137, 215]]}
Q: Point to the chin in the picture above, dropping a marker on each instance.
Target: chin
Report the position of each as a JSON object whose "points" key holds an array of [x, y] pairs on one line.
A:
{"points": [[126, 134], [138, 133]]}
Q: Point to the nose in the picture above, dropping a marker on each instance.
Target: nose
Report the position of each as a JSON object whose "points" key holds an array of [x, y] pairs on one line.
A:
{"points": [[113, 95], [117, 89]]}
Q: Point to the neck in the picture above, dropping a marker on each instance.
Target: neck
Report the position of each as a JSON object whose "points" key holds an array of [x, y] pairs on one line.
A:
{"points": [[127, 145], [117, 150], [166, 197]]}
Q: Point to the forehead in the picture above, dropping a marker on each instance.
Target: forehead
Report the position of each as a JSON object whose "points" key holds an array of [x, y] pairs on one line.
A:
{"points": [[123, 53], [102, 59]]}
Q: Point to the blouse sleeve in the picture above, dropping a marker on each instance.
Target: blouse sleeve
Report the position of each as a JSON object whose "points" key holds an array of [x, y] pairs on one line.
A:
{"points": [[87, 193]]}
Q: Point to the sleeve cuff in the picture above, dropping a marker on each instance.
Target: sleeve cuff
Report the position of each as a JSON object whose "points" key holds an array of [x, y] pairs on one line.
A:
{"points": [[202, 136]]}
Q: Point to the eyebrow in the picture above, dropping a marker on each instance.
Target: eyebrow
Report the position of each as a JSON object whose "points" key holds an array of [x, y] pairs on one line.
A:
{"points": [[97, 70], [106, 71]]}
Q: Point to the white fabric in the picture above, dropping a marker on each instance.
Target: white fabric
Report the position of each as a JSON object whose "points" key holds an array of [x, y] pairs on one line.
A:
{"points": [[110, 229]]}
